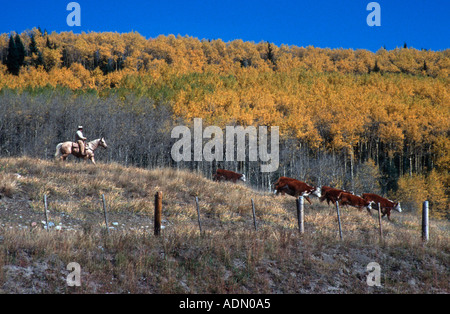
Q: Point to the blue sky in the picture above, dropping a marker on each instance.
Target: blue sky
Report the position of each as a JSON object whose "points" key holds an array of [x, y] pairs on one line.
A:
{"points": [[320, 23]]}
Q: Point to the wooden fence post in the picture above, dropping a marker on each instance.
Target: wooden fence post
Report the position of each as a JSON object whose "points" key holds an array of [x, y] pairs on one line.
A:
{"points": [[254, 215], [158, 210], [425, 224], [105, 213], [339, 219], [300, 214], [198, 215], [379, 222], [45, 212]]}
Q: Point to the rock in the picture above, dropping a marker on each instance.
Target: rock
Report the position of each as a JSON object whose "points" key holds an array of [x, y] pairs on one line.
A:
{"points": [[50, 224]]}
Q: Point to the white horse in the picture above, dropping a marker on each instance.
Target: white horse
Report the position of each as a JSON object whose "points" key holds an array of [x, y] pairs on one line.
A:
{"points": [[66, 148]]}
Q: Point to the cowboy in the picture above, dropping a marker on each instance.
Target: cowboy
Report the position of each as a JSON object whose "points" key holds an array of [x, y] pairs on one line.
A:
{"points": [[80, 139]]}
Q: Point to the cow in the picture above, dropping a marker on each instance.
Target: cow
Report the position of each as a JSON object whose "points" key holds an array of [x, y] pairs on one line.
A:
{"points": [[330, 194], [386, 205], [227, 175], [295, 188], [346, 198], [281, 180], [280, 186]]}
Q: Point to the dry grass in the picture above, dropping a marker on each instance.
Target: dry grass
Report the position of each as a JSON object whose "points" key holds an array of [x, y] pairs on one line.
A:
{"points": [[228, 257], [9, 184]]}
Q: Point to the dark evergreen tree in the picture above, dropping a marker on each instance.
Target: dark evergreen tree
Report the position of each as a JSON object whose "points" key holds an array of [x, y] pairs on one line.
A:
{"points": [[33, 50], [12, 59], [376, 68], [270, 54], [65, 58], [425, 66], [20, 49], [32, 47], [48, 44]]}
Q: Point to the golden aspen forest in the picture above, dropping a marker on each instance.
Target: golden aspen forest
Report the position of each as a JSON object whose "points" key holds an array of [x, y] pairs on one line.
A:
{"points": [[354, 119]]}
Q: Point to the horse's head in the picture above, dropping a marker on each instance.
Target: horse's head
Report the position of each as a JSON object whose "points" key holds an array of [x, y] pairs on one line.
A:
{"points": [[102, 143]]}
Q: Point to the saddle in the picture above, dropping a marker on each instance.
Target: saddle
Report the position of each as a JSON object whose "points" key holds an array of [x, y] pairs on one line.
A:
{"points": [[76, 148]]}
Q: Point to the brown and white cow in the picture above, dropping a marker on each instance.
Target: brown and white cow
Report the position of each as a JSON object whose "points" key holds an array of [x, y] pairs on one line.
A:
{"points": [[295, 188], [386, 205], [346, 198], [280, 186], [227, 175], [330, 194]]}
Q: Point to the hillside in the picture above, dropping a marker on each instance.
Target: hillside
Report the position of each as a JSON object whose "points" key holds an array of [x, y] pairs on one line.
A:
{"points": [[228, 257], [352, 111]]}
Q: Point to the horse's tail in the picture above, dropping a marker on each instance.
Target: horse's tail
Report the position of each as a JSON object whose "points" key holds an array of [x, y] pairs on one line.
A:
{"points": [[58, 150]]}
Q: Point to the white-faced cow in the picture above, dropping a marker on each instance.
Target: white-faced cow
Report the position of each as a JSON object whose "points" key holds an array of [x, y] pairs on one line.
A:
{"points": [[295, 188], [227, 175], [346, 198], [386, 205]]}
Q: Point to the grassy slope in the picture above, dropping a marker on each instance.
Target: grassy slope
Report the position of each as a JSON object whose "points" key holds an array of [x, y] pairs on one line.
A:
{"points": [[229, 257]]}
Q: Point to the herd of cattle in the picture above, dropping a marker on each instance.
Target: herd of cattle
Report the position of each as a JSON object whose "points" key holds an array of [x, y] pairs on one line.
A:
{"points": [[296, 188]]}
